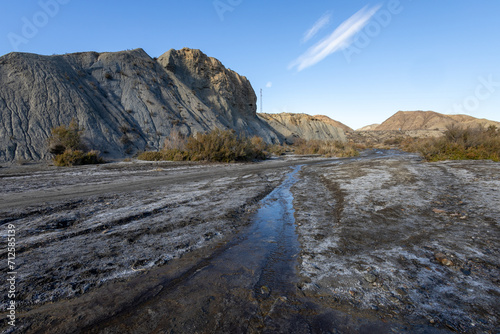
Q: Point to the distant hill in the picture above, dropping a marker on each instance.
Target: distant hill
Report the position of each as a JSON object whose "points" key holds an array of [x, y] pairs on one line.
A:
{"points": [[430, 120], [126, 101], [292, 126], [368, 127], [333, 122]]}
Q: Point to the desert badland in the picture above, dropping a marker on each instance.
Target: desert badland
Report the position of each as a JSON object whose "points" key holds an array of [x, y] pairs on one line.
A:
{"points": [[379, 242]]}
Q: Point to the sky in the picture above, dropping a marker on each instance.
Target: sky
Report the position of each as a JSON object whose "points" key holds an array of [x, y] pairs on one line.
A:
{"points": [[358, 62]]}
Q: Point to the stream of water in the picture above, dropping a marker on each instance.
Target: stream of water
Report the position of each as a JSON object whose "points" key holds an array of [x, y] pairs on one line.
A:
{"points": [[241, 289]]}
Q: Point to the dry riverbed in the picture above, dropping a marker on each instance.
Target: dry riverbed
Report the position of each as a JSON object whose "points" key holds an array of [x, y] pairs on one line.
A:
{"points": [[404, 240], [386, 243]]}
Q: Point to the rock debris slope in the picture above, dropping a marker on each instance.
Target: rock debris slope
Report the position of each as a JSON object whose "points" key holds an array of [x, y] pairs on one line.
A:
{"points": [[126, 101]]}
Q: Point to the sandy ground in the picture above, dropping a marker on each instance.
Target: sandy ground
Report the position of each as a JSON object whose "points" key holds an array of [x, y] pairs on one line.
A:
{"points": [[387, 242]]}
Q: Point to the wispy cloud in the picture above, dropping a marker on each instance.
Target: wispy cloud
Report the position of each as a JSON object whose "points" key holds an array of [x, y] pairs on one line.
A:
{"points": [[322, 21], [269, 84], [340, 38]]}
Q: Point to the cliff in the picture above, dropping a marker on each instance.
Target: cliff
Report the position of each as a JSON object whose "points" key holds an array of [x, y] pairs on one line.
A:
{"points": [[126, 101]]}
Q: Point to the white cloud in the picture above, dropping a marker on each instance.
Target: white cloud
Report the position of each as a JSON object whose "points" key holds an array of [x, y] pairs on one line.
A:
{"points": [[322, 21], [269, 84], [340, 38]]}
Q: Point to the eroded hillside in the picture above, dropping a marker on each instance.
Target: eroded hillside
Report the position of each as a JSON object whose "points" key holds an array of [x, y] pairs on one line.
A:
{"points": [[293, 126], [430, 120], [126, 101]]}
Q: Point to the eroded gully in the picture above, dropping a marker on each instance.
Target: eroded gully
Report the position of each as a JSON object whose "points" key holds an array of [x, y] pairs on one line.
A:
{"points": [[248, 286]]}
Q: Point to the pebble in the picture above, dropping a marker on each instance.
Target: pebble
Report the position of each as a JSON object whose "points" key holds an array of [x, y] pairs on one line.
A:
{"points": [[441, 258], [265, 291], [370, 278]]}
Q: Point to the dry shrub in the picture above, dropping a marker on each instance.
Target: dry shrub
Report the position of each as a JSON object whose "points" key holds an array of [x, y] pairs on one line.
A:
{"points": [[459, 144], [76, 157], [328, 148], [222, 146], [66, 144], [66, 138], [276, 149], [176, 141], [215, 146], [396, 141], [151, 156]]}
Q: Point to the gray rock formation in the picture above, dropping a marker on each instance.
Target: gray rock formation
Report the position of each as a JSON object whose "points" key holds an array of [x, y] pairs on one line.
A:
{"points": [[126, 101], [293, 126]]}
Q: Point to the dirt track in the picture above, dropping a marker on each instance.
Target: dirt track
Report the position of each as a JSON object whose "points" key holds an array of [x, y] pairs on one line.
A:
{"points": [[375, 234]]}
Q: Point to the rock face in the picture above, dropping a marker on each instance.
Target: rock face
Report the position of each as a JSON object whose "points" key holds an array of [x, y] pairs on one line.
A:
{"points": [[229, 95], [126, 101], [293, 126], [430, 120]]}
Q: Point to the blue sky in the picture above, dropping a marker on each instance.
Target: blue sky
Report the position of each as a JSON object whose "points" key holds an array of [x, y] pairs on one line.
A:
{"points": [[356, 61]]}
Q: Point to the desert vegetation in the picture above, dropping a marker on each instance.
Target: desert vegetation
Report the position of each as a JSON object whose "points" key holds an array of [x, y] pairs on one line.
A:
{"points": [[66, 144], [458, 144], [227, 146], [215, 146], [327, 148]]}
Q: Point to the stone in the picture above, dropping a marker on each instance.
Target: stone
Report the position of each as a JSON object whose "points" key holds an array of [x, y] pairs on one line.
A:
{"points": [[441, 258], [370, 278]]}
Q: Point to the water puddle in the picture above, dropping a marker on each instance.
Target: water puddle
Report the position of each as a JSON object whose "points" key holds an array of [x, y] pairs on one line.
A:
{"points": [[275, 231]]}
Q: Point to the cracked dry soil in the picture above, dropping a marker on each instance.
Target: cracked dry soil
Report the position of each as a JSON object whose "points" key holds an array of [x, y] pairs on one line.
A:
{"points": [[382, 243]]}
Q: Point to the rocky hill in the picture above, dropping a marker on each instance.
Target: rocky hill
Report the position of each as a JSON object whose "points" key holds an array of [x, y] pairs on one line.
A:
{"points": [[292, 126], [368, 127], [430, 120], [333, 122], [126, 101]]}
